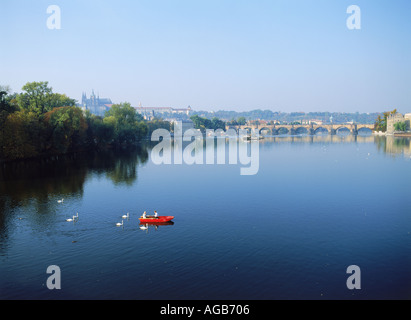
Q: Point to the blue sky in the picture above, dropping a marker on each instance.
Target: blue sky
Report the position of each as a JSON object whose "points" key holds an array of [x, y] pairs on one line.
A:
{"points": [[282, 55]]}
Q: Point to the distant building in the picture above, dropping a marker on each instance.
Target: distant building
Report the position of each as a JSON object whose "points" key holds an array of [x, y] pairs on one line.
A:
{"points": [[151, 112], [395, 118], [95, 104]]}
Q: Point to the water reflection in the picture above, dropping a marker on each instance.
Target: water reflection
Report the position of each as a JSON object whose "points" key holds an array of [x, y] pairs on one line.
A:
{"points": [[326, 138], [294, 228], [41, 183], [395, 146], [154, 226]]}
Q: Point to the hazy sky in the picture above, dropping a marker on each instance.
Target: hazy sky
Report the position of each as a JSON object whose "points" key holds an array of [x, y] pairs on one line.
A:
{"points": [[283, 55]]}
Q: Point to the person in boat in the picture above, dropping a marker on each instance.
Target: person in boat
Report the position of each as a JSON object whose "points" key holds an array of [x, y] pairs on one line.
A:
{"points": [[155, 214], [144, 215]]}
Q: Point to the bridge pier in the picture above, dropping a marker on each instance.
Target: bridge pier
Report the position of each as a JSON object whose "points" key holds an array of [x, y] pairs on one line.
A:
{"points": [[354, 130]]}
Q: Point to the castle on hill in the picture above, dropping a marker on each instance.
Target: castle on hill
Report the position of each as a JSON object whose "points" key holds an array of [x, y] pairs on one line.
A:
{"points": [[95, 104]]}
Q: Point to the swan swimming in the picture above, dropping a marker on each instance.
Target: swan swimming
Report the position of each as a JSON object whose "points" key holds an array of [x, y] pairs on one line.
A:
{"points": [[120, 224], [60, 201], [126, 216]]}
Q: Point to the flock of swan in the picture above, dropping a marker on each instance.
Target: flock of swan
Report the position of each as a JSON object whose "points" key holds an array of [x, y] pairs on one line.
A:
{"points": [[119, 224]]}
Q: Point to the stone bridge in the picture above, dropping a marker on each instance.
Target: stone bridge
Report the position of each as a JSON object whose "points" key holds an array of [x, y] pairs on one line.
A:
{"points": [[302, 129]]}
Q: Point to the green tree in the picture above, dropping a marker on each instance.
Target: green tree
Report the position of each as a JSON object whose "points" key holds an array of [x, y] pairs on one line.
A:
{"points": [[129, 126], [400, 126], [157, 124], [38, 97], [99, 133], [20, 130], [381, 123], [241, 121], [217, 124], [204, 123], [20, 138], [67, 128]]}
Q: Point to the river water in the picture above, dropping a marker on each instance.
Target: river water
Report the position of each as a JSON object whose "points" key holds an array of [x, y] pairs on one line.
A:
{"points": [[317, 206]]}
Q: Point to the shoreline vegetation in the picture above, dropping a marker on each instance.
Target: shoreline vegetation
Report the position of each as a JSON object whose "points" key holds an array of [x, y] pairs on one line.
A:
{"points": [[39, 123]]}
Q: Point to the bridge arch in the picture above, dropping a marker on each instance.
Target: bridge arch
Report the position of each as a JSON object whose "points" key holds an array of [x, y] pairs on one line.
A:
{"points": [[282, 130], [320, 130], [301, 130], [364, 130], [342, 128], [248, 129], [263, 131]]}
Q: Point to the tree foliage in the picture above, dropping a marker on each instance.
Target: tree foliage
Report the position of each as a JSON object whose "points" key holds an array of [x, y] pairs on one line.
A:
{"points": [[128, 125], [400, 126], [157, 124], [38, 97], [381, 122], [40, 122], [67, 127], [204, 123]]}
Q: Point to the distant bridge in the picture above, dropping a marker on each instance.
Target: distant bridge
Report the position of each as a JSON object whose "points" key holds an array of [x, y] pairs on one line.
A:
{"points": [[302, 129]]}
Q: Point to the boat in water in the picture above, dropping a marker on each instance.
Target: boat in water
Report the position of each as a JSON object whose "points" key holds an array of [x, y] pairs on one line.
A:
{"points": [[153, 219]]}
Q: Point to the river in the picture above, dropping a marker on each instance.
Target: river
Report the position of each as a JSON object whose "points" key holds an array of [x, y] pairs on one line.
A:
{"points": [[317, 206]]}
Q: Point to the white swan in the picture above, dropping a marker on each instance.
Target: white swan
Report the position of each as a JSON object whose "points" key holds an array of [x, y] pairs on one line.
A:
{"points": [[144, 227], [71, 220], [120, 224], [60, 201], [126, 216]]}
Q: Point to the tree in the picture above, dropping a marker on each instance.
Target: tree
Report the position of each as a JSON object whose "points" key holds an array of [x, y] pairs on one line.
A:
{"points": [[67, 127], [217, 124], [204, 123], [400, 126], [99, 133], [241, 121], [39, 98], [129, 126], [157, 124], [20, 138], [381, 123], [7, 107]]}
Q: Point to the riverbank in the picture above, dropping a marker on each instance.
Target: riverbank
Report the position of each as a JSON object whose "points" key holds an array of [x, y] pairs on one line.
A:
{"points": [[395, 134], [403, 134]]}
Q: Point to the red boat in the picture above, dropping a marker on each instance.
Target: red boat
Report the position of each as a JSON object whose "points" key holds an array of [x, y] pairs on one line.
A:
{"points": [[153, 219]]}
